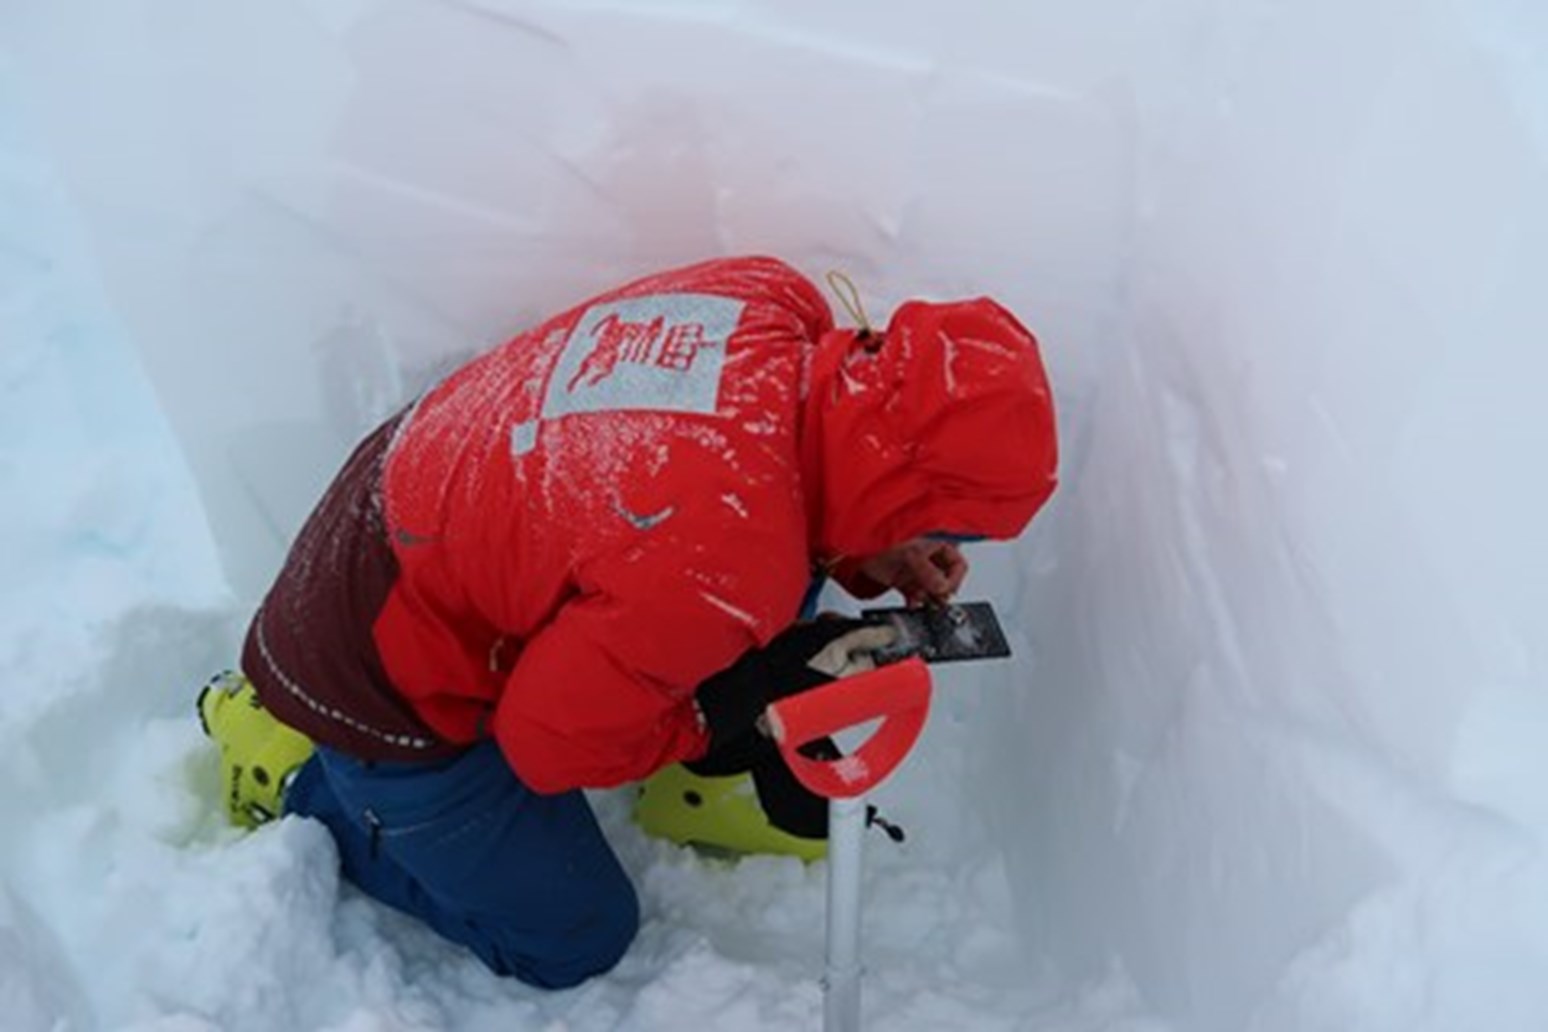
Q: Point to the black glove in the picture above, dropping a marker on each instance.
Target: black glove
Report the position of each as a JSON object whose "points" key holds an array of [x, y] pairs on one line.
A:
{"points": [[800, 658], [789, 805], [803, 657]]}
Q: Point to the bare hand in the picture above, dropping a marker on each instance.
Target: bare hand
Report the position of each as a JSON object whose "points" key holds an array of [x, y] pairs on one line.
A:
{"points": [[923, 570]]}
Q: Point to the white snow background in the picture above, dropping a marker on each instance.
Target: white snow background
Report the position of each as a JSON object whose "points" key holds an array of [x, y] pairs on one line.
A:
{"points": [[1271, 756]]}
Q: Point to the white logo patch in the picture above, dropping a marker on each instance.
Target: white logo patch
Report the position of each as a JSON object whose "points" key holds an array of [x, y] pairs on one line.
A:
{"points": [[661, 352]]}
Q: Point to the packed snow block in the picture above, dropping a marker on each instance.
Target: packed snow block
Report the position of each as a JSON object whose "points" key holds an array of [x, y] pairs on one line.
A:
{"points": [[298, 245]]}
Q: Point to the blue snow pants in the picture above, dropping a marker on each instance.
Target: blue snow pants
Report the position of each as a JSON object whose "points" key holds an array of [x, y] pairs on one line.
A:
{"points": [[526, 881]]}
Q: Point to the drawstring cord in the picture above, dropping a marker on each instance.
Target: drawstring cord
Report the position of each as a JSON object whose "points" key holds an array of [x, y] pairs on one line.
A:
{"points": [[849, 296]]}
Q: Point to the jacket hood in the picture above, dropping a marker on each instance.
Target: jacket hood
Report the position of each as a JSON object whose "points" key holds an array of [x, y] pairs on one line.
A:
{"points": [[943, 423]]}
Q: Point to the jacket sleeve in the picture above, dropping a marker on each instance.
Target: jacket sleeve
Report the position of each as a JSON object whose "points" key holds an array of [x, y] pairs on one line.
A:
{"points": [[576, 714], [603, 695]]}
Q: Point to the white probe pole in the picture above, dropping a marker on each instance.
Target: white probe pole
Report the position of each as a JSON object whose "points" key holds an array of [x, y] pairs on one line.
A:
{"points": [[841, 984], [900, 695]]}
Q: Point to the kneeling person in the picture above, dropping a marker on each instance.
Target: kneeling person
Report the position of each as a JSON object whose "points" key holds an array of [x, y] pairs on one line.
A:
{"points": [[580, 559]]}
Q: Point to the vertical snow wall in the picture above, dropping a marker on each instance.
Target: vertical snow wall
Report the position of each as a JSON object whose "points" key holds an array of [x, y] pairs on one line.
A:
{"points": [[1282, 752], [1277, 749]]}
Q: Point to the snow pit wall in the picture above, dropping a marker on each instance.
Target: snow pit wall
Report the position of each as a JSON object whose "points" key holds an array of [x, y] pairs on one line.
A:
{"points": [[1285, 726], [1275, 749]]}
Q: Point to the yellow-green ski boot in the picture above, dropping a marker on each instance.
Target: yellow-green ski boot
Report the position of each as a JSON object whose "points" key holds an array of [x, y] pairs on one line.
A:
{"points": [[258, 755], [716, 815]]}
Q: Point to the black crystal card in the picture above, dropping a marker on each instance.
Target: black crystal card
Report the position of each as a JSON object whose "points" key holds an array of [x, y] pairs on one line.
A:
{"points": [[942, 634]]}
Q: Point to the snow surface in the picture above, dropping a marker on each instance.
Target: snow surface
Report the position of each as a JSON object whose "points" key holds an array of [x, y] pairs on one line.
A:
{"points": [[1271, 757]]}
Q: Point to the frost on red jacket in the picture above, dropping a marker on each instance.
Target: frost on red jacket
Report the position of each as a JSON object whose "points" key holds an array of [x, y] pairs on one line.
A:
{"points": [[559, 542]]}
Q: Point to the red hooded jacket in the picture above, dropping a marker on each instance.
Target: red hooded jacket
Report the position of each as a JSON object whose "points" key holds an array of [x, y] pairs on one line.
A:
{"points": [[560, 541]]}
